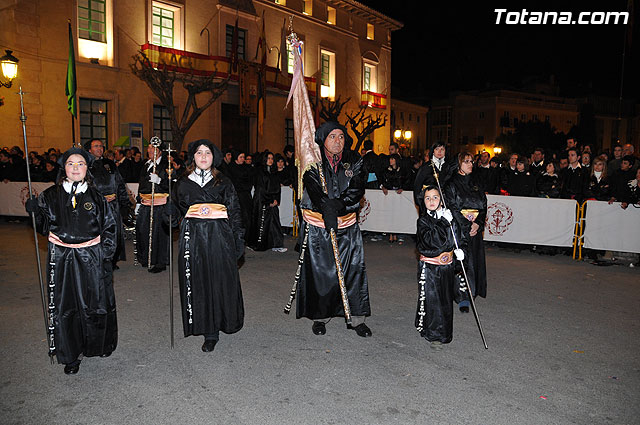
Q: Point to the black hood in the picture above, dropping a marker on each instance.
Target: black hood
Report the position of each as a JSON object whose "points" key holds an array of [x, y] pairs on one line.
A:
{"points": [[193, 147], [323, 131]]}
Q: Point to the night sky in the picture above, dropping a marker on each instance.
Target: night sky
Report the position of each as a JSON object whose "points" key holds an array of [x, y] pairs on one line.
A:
{"points": [[464, 49]]}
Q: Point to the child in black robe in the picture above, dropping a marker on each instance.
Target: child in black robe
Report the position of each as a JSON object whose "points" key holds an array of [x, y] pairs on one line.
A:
{"points": [[436, 274]]}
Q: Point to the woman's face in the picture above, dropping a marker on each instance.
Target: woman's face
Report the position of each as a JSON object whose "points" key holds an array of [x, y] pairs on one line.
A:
{"points": [[240, 159], [432, 199], [76, 168], [280, 164], [439, 152], [203, 158], [550, 168], [598, 166], [269, 160], [520, 166], [392, 162], [467, 165]]}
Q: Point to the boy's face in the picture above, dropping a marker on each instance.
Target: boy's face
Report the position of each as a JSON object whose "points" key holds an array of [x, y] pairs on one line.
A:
{"points": [[625, 166], [432, 199]]}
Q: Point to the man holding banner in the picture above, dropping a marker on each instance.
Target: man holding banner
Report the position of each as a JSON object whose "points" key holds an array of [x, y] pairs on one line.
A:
{"points": [[330, 201]]}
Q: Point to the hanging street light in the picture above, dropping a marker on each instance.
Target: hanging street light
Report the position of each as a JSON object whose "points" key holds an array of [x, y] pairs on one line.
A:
{"points": [[9, 65]]}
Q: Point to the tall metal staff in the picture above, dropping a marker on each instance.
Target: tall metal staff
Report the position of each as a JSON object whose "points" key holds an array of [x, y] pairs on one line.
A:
{"points": [[464, 272], [169, 150], [47, 324], [156, 143]]}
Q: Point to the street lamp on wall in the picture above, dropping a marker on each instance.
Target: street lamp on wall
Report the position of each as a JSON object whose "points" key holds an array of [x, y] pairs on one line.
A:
{"points": [[9, 65]]}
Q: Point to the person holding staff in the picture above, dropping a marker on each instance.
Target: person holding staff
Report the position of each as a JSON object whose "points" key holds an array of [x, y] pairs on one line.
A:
{"points": [[331, 203], [153, 190], [436, 276], [211, 243], [468, 203], [81, 228]]}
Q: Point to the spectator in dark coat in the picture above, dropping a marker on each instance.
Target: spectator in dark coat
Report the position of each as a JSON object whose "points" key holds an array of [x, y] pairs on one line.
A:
{"points": [[522, 183], [372, 166], [486, 175], [574, 177], [622, 182], [538, 164], [598, 187], [548, 184]]}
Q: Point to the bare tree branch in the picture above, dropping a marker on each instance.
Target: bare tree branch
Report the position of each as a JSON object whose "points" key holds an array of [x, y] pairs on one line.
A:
{"points": [[161, 81]]}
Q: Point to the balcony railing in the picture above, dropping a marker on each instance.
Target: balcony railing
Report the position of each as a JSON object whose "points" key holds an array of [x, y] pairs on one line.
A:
{"points": [[204, 65], [373, 100]]}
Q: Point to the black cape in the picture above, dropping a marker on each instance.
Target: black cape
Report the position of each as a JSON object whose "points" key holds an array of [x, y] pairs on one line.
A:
{"points": [[318, 291], [210, 291], [242, 177], [81, 299], [463, 192]]}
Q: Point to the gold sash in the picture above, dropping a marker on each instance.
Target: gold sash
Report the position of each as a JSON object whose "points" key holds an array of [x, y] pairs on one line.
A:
{"points": [[158, 198], [315, 219], [441, 260], [207, 211]]}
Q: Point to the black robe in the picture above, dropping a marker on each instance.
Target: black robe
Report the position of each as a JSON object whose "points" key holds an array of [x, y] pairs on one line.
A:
{"points": [[426, 176], [436, 283], [210, 291], [80, 296], [242, 178], [488, 178], [108, 181], [463, 192], [266, 230], [318, 291], [160, 241]]}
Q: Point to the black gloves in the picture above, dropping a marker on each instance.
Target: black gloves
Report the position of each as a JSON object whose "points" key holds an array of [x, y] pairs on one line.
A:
{"points": [[171, 210], [31, 205], [331, 210]]}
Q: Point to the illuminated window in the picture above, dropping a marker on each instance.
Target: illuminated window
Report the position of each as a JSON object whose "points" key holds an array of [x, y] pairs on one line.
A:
{"points": [[92, 20], [242, 36], [163, 27], [93, 120], [369, 80], [370, 32], [307, 7], [166, 25], [281, 2], [331, 15], [327, 74], [162, 123]]}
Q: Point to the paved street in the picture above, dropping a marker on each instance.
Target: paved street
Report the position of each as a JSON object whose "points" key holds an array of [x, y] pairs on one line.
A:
{"points": [[563, 343]]}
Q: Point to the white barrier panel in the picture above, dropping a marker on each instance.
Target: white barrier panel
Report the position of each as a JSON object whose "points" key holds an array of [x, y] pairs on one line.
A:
{"points": [[533, 221], [394, 213], [391, 213], [13, 195], [609, 227]]}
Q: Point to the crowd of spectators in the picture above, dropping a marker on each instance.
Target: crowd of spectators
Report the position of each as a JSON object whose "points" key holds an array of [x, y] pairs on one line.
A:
{"points": [[575, 172]]}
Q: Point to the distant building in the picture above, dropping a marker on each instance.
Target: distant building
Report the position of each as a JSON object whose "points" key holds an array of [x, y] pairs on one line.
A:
{"points": [[347, 51], [409, 117], [473, 120]]}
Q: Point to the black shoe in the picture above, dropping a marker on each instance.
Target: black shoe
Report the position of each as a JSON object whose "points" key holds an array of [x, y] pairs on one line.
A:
{"points": [[105, 354], [209, 345], [464, 309], [362, 330], [157, 269], [72, 368], [116, 267], [319, 328]]}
